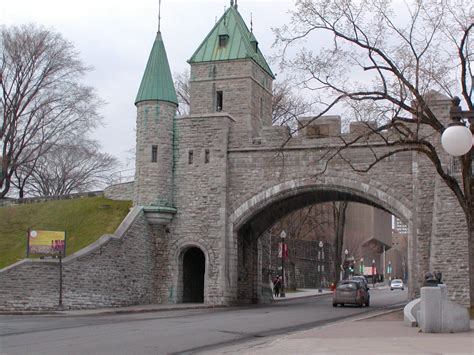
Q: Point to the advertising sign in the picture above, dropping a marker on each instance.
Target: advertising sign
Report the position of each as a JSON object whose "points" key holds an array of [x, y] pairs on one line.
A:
{"points": [[46, 242], [370, 270]]}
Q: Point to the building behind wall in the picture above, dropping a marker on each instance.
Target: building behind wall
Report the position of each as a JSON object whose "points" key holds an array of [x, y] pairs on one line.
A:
{"points": [[367, 234]]}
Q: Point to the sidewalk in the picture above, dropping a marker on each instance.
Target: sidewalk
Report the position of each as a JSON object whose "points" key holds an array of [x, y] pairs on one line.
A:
{"points": [[384, 334]]}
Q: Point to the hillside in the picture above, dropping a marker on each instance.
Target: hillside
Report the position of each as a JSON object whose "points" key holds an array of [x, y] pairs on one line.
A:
{"points": [[84, 219]]}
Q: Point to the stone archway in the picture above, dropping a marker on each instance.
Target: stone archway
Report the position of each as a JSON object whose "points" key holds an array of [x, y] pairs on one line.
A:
{"points": [[194, 267], [257, 214]]}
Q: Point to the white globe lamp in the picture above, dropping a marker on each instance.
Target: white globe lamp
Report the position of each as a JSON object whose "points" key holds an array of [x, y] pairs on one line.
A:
{"points": [[457, 140]]}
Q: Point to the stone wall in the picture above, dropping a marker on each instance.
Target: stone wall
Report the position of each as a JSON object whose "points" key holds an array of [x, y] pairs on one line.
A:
{"points": [[116, 270], [120, 192], [19, 201]]}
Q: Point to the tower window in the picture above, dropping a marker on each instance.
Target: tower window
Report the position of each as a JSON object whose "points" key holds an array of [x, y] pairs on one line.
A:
{"points": [[254, 45], [223, 39], [190, 157], [206, 156], [154, 153], [219, 100]]}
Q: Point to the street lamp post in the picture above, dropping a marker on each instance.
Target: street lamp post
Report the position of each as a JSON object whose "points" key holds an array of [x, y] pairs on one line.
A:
{"points": [[320, 266], [346, 252], [373, 272], [389, 270], [282, 236], [361, 267], [458, 140]]}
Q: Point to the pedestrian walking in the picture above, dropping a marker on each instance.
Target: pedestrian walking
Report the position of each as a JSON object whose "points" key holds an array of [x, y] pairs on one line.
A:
{"points": [[277, 286]]}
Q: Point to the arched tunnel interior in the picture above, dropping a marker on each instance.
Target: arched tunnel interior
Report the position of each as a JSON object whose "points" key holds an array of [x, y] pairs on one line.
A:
{"points": [[263, 217]]}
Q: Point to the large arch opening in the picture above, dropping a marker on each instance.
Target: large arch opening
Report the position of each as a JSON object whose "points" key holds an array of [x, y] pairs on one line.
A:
{"points": [[255, 217], [194, 267]]}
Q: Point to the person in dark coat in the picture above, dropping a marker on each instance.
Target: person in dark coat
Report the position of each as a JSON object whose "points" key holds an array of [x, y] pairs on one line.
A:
{"points": [[277, 286]]}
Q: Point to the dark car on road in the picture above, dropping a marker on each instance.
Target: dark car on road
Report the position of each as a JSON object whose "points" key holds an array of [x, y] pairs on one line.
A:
{"points": [[351, 292], [362, 279]]}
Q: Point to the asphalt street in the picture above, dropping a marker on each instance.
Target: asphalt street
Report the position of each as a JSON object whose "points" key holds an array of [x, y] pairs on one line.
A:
{"points": [[175, 331]]}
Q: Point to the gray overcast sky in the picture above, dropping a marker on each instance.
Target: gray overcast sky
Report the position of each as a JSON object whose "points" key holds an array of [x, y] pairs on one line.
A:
{"points": [[115, 38]]}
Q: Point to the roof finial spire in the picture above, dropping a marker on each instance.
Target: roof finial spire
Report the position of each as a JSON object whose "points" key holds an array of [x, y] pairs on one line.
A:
{"points": [[235, 4], [251, 22], [159, 15], [231, 3]]}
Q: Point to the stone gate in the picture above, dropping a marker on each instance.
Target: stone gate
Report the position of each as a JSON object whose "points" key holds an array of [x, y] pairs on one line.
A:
{"points": [[210, 184]]}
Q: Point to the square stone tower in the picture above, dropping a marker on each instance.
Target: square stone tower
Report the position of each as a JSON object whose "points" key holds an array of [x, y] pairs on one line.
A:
{"points": [[230, 74]]}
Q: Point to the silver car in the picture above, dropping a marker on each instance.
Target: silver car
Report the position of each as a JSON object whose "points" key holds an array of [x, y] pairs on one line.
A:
{"points": [[351, 292], [396, 284]]}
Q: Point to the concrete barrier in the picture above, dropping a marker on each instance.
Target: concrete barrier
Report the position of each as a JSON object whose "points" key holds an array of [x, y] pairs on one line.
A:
{"points": [[411, 311], [439, 315]]}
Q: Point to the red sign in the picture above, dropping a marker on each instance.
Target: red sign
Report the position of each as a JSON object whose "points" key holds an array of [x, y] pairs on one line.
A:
{"points": [[285, 250]]}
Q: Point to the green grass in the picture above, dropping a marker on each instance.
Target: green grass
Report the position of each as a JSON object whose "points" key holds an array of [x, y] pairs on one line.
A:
{"points": [[84, 219]]}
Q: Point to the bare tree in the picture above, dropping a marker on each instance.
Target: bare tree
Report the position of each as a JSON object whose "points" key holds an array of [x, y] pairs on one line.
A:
{"points": [[68, 168], [339, 218], [427, 47], [42, 101], [181, 84], [287, 106]]}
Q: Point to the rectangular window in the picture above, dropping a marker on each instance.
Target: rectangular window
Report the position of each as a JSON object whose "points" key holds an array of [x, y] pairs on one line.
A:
{"points": [[223, 40], [190, 157], [219, 100], [206, 156], [154, 153]]}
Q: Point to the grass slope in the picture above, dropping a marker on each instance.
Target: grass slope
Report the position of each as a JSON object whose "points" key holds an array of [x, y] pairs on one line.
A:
{"points": [[84, 219]]}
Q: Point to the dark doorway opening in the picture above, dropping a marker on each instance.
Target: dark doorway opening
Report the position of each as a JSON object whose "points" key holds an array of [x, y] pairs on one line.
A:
{"points": [[194, 266]]}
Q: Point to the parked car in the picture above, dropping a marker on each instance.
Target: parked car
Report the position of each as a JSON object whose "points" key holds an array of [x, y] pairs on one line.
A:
{"points": [[351, 292], [396, 284], [362, 279]]}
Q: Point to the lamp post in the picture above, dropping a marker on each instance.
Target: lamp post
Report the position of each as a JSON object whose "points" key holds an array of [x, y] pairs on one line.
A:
{"points": [[346, 252], [361, 267], [282, 236], [320, 266], [373, 272], [458, 140], [389, 270]]}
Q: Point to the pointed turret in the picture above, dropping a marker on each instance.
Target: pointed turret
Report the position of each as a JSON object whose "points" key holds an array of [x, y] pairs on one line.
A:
{"points": [[157, 82], [156, 103]]}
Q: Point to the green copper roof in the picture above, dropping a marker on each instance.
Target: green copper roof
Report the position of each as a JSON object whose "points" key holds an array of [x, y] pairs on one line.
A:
{"points": [[157, 83], [239, 44]]}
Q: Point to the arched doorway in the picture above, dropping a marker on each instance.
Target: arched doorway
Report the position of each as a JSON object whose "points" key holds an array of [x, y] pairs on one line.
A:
{"points": [[253, 218], [194, 267]]}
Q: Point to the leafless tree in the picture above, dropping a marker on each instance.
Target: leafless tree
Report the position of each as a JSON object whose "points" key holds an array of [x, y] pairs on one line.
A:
{"points": [[181, 84], [68, 168], [339, 217], [287, 106], [310, 223], [383, 62], [42, 101]]}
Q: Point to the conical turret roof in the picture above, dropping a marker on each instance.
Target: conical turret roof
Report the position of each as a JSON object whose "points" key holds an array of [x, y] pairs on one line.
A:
{"points": [[238, 46], [157, 82]]}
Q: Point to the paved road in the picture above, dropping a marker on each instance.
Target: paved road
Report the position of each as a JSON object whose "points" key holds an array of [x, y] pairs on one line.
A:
{"points": [[179, 331]]}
